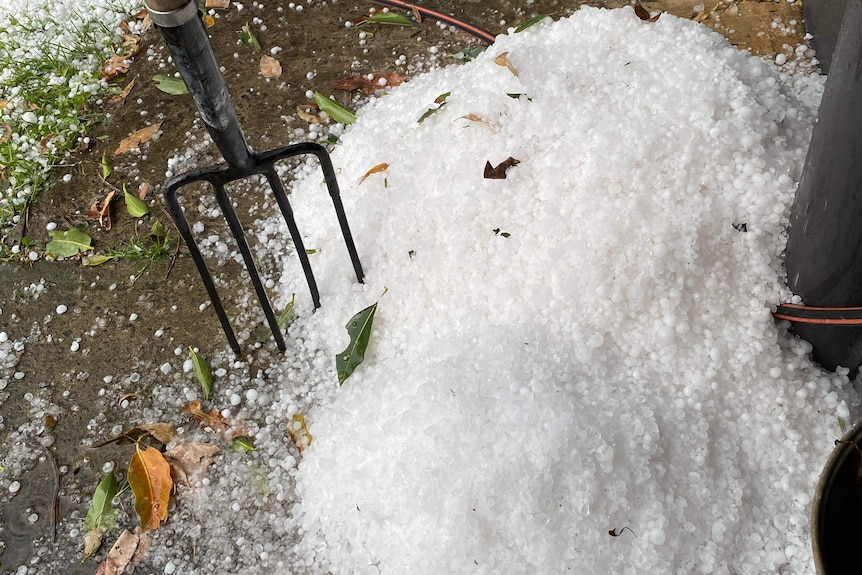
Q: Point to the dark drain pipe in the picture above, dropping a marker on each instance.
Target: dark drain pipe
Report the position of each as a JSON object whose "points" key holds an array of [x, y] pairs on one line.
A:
{"points": [[824, 247]]}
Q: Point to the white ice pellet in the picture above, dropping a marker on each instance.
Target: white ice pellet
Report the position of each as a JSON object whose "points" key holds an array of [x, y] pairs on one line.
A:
{"points": [[14, 487], [61, 309]]}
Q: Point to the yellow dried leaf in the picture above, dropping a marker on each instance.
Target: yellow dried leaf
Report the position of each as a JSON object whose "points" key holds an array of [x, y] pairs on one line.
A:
{"points": [[150, 479], [503, 60], [122, 95], [298, 432], [7, 133], [137, 138], [209, 21], [375, 170], [217, 3], [269, 67]]}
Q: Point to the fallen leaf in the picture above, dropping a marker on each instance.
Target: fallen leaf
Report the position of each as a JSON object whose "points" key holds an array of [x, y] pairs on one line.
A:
{"points": [[390, 18], [359, 330], [107, 168], [298, 432], [503, 60], [202, 372], [417, 15], [102, 210], [169, 85], [137, 138], [101, 515], [248, 39], [92, 542], [127, 397], [150, 479], [143, 190], [375, 170], [335, 110], [162, 432], [368, 83], [499, 172], [269, 67], [114, 66], [5, 104], [644, 14], [69, 243], [97, 260], [43, 147], [121, 97], [7, 133], [208, 21], [190, 458], [229, 428], [305, 112], [217, 3], [243, 444], [440, 101], [530, 22], [120, 554], [134, 205]]}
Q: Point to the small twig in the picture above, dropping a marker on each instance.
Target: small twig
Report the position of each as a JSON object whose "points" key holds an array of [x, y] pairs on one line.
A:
{"points": [[615, 533], [179, 236]]}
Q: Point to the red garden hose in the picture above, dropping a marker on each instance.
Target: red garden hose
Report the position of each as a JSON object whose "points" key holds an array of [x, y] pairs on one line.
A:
{"points": [[483, 35]]}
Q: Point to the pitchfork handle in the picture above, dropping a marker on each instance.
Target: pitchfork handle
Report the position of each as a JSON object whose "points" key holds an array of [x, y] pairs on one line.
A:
{"points": [[187, 41]]}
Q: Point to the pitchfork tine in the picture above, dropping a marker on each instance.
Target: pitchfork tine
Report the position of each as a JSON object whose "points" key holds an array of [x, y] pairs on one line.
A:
{"points": [[185, 36]]}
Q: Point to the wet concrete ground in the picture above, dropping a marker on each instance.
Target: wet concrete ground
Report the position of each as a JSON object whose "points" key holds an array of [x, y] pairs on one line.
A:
{"points": [[126, 327]]}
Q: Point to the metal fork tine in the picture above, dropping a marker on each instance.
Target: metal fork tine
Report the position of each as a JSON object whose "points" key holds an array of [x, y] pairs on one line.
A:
{"points": [[186, 38], [173, 207], [239, 236]]}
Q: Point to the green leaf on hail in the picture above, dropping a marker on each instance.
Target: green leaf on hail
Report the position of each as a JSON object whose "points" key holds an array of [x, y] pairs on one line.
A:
{"points": [[202, 373], [359, 329], [335, 110]]}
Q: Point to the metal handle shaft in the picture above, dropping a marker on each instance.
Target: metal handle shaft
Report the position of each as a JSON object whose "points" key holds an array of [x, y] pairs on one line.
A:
{"points": [[186, 39]]}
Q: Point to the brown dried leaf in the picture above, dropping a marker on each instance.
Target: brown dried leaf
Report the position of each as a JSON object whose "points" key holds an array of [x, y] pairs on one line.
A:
{"points": [[375, 170], [306, 112], [5, 104], [115, 66], [417, 15], [42, 147], [137, 138], [7, 133], [102, 211], [269, 67], [474, 118], [503, 60], [119, 98], [126, 396], [368, 83], [644, 14], [161, 432], [120, 554], [215, 420], [192, 458], [499, 172], [217, 3], [150, 479], [144, 190]]}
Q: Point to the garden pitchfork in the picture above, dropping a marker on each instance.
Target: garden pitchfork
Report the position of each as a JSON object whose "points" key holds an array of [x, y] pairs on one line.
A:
{"points": [[185, 36]]}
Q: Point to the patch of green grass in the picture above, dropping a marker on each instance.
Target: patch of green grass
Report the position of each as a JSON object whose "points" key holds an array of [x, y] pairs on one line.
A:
{"points": [[50, 56]]}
